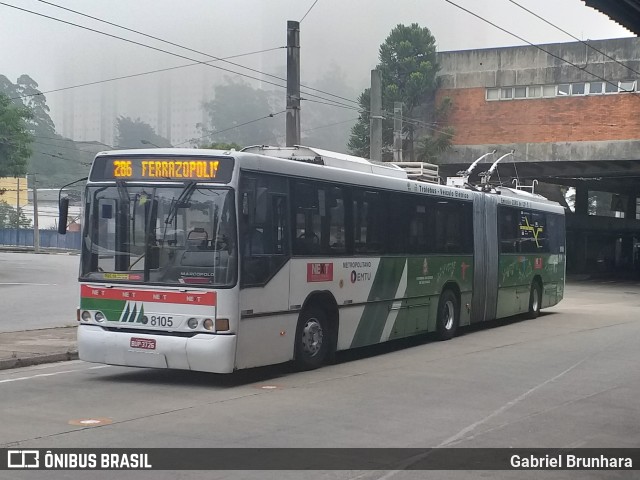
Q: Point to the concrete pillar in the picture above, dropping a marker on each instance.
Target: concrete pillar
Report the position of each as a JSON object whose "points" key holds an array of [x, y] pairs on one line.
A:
{"points": [[630, 212], [582, 200], [627, 253]]}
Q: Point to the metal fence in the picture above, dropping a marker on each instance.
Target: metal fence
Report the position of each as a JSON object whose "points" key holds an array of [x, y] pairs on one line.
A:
{"points": [[48, 238]]}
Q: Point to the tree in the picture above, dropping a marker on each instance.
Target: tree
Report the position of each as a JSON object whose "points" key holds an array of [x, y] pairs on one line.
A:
{"points": [[222, 146], [408, 68], [36, 102], [138, 134], [235, 113], [54, 158], [438, 139], [360, 139], [14, 138], [9, 217]]}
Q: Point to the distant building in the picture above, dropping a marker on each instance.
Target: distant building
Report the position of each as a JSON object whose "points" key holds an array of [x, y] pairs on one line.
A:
{"points": [[48, 208], [569, 112], [13, 191], [171, 102]]}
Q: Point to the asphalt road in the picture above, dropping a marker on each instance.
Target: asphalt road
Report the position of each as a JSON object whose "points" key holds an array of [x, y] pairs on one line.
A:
{"points": [[567, 379], [38, 290]]}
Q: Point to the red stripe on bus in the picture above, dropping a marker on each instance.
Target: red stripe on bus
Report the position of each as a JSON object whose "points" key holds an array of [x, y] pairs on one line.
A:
{"points": [[158, 296]]}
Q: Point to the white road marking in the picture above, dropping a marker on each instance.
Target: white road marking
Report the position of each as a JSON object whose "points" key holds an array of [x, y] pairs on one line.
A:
{"points": [[17, 379], [462, 433]]}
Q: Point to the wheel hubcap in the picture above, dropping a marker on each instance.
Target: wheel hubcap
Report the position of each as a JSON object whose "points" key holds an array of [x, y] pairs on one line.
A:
{"points": [[312, 337], [448, 315], [534, 303]]}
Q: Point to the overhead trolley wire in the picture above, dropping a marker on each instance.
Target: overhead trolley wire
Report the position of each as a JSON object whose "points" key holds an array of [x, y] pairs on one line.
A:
{"points": [[133, 75], [574, 37], [310, 8], [197, 62], [190, 49], [530, 43], [271, 115]]}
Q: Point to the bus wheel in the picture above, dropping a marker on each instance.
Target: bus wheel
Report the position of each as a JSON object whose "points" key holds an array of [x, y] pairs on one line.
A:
{"points": [[535, 299], [448, 315], [312, 339]]}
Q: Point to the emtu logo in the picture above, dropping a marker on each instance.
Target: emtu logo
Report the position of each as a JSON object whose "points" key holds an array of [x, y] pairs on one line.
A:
{"points": [[23, 459]]}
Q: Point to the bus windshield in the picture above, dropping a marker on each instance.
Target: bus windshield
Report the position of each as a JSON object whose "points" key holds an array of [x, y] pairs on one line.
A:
{"points": [[164, 234]]}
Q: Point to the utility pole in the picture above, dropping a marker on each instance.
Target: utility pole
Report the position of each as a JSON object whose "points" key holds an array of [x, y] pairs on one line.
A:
{"points": [[375, 125], [36, 230], [17, 210], [293, 84], [397, 131]]}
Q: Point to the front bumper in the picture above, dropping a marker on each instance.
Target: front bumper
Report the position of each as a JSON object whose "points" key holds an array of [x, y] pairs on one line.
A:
{"points": [[202, 352]]}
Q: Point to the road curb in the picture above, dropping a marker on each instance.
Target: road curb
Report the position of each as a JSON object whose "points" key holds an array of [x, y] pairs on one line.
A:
{"points": [[17, 362]]}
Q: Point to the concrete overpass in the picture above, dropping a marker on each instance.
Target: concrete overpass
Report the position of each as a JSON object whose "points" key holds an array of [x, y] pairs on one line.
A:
{"points": [[570, 112]]}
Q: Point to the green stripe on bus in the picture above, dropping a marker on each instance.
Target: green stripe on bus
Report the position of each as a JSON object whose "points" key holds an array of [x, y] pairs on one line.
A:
{"points": [[385, 285], [112, 309]]}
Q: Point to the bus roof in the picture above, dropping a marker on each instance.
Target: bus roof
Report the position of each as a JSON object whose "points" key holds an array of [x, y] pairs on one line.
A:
{"points": [[308, 162]]}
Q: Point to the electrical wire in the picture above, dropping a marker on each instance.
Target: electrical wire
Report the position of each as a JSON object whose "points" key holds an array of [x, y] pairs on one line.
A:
{"points": [[573, 36], [310, 8], [138, 32], [531, 44], [306, 130], [336, 103], [193, 140], [133, 75]]}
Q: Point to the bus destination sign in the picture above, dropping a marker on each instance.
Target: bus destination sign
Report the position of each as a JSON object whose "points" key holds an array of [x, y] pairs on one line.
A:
{"points": [[134, 168]]}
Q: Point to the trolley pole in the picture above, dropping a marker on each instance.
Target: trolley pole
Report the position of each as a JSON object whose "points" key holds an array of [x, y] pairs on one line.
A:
{"points": [[293, 84], [375, 125]]}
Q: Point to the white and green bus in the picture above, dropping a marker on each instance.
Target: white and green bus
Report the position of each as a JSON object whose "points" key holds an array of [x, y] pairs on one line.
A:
{"points": [[222, 260]]}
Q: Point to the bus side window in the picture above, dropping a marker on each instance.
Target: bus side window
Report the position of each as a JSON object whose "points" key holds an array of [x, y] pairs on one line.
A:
{"points": [[508, 233], [369, 216], [263, 227], [318, 219]]}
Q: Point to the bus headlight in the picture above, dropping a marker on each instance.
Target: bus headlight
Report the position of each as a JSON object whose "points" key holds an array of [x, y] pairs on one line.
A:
{"points": [[207, 324], [86, 316], [192, 323], [99, 316]]}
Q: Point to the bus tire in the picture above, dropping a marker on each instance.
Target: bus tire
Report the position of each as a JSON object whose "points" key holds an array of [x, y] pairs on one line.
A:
{"points": [[535, 300], [448, 315], [312, 339]]}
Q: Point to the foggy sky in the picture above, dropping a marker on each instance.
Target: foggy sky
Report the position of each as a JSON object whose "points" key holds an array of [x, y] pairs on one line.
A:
{"points": [[346, 33]]}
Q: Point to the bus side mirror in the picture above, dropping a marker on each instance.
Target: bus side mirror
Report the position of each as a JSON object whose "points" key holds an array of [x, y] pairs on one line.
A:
{"points": [[63, 214]]}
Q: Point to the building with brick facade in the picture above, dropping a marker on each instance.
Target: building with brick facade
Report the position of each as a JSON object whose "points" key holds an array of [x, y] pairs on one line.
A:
{"points": [[570, 112]]}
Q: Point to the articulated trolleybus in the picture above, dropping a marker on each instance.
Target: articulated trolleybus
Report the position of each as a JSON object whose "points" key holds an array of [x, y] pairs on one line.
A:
{"points": [[221, 260]]}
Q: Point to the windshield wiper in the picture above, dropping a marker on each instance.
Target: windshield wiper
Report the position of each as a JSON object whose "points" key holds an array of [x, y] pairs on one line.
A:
{"points": [[180, 202]]}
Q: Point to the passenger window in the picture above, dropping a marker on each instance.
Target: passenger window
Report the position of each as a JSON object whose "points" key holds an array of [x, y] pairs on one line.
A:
{"points": [[368, 222], [453, 227], [263, 227], [319, 225], [508, 233]]}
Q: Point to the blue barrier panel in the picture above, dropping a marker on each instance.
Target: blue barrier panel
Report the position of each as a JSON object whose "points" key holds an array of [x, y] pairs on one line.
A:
{"points": [[48, 238]]}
